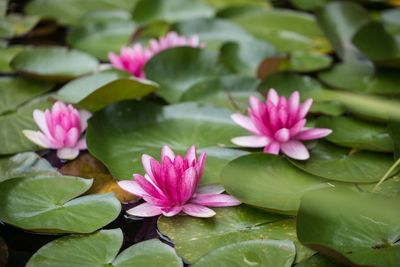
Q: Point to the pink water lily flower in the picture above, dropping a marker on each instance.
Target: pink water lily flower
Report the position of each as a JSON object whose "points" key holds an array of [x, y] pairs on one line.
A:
{"points": [[277, 125], [61, 128], [132, 59], [172, 186]]}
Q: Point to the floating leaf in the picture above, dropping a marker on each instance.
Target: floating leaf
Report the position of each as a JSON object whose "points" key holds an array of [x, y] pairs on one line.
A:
{"points": [[266, 253], [318, 261], [99, 38], [366, 233], [170, 10], [271, 183], [70, 12], [53, 63], [177, 69], [87, 166], [6, 55], [47, 204], [196, 237], [121, 133], [24, 165], [101, 249], [341, 164], [231, 91], [96, 91], [15, 91], [12, 124], [221, 4]]}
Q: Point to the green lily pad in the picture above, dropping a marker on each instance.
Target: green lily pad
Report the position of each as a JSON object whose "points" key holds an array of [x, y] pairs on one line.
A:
{"points": [[177, 69], [266, 253], [318, 261], [96, 91], [391, 20], [287, 30], [105, 16], [394, 132], [170, 10], [54, 63], [271, 182], [341, 164], [99, 38], [121, 133], [101, 249], [12, 124], [366, 234], [231, 91], [309, 5], [69, 12], [196, 237], [340, 21], [386, 52], [47, 204], [15, 91], [222, 4], [389, 188], [213, 32], [244, 57], [300, 61], [354, 133], [6, 55], [362, 78], [24, 165]]}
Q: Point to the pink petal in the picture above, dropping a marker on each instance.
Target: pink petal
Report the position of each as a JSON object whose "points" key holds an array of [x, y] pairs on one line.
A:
{"points": [[215, 200], [273, 96], [40, 119], [72, 137], [132, 187], [148, 186], [314, 133], [172, 212], [81, 145], [191, 155], [283, 135], [59, 134], [84, 117], [295, 149], [37, 137], [67, 153], [167, 152], [294, 101], [188, 185], [272, 148], [210, 189], [256, 105], [145, 210], [251, 141], [147, 165], [201, 163], [198, 211], [295, 129], [245, 122], [304, 108]]}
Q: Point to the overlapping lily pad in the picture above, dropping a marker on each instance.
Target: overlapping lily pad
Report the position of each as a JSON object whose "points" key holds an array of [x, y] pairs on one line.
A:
{"points": [[24, 165], [53, 63], [266, 253], [47, 204], [6, 55], [269, 182], [121, 133], [354, 133], [101, 249], [17, 91], [96, 91], [196, 237], [191, 65], [341, 164], [366, 234]]}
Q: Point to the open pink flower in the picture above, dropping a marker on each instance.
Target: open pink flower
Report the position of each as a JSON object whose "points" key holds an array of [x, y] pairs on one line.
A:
{"points": [[132, 59], [278, 125], [172, 186], [60, 128]]}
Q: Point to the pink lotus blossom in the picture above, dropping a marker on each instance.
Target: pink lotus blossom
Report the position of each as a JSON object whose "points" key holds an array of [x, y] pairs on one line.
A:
{"points": [[132, 59], [278, 125], [172, 186], [60, 128]]}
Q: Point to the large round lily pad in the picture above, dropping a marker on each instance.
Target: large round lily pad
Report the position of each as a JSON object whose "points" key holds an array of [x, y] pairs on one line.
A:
{"points": [[53, 63], [342, 164], [269, 182], [101, 249], [354, 228], [47, 204], [177, 69], [96, 91], [263, 253], [196, 237], [121, 133]]}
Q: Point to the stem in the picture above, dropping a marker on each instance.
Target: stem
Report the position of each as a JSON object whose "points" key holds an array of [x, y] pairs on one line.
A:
{"points": [[387, 174]]}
